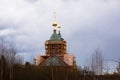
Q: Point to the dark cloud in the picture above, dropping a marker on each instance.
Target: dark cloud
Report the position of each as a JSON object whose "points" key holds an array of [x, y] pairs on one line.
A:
{"points": [[3, 26]]}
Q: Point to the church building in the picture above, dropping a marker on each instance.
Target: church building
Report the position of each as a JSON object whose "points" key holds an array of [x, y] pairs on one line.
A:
{"points": [[55, 51]]}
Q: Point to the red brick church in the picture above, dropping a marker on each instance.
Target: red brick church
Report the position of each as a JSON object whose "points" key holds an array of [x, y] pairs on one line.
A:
{"points": [[55, 51]]}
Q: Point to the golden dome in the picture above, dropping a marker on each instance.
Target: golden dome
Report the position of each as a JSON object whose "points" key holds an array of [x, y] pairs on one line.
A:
{"points": [[54, 24], [59, 27]]}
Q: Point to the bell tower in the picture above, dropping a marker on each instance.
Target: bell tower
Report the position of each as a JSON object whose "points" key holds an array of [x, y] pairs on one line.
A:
{"points": [[55, 47]]}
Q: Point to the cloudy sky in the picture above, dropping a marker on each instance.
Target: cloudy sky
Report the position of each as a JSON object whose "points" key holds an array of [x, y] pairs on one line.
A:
{"points": [[86, 26]]}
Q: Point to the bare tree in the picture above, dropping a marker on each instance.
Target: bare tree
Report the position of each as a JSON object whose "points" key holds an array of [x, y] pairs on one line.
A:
{"points": [[2, 47], [118, 67], [9, 52], [2, 51], [97, 62]]}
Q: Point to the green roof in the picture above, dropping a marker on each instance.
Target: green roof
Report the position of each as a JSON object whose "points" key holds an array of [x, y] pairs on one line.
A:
{"points": [[55, 36], [53, 61]]}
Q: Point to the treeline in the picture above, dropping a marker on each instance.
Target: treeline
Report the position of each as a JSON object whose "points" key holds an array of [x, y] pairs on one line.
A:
{"points": [[32, 72], [28, 71]]}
